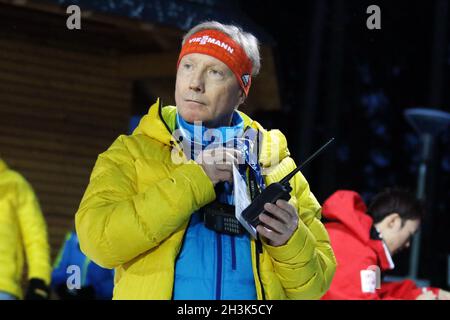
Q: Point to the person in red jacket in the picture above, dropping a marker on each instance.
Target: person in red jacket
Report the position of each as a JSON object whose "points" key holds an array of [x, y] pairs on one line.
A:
{"points": [[364, 239]]}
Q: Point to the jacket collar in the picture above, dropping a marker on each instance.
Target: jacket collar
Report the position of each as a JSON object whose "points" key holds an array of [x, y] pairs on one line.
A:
{"points": [[160, 122], [348, 208], [380, 247], [3, 166]]}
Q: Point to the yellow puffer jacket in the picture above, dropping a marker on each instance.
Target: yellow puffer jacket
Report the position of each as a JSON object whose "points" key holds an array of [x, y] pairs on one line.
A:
{"points": [[22, 230], [137, 206]]}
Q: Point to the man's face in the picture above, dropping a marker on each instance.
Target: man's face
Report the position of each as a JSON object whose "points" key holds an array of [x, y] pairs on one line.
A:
{"points": [[397, 235], [206, 90]]}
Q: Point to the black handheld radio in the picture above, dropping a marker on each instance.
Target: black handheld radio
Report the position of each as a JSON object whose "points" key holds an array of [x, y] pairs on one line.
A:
{"points": [[275, 191]]}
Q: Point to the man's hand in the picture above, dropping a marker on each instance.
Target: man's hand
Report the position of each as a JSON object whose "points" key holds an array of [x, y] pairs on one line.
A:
{"points": [[427, 295], [278, 230], [37, 290], [218, 163], [84, 293], [443, 295]]}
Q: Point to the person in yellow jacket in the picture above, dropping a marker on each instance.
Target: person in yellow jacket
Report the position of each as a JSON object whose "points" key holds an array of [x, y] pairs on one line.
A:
{"points": [[143, 212], [22, 231]]}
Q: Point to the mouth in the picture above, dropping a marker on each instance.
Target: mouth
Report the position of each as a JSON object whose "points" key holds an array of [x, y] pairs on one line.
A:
{"points": [[194, 101]]}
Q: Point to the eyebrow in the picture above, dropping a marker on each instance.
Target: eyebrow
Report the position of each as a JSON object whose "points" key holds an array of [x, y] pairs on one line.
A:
{"points": [[207, 64]]}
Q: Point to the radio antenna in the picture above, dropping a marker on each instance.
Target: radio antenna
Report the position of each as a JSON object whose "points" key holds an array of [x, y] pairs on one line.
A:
{"points": [[315, 154]]}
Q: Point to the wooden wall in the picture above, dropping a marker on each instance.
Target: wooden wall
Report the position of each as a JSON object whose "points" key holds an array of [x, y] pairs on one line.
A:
{"points": [[157, 74], [59, 108], [66, 95]]}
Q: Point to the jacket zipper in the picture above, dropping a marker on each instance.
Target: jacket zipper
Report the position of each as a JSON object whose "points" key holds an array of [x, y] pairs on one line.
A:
{"points": [[178, 255], [219, 243], [160, 115], [189, 222], [233, 253], [219, 266], [254, 191], [258, 252]]}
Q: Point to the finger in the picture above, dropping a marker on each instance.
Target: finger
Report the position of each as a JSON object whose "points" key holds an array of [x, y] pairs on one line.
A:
{"points": [[268, 234], [223, 167], [230, 155], [231, 158], [234, 152], [223, 156], [216, 156], [278, 213], [239, 156], [225, 176], [286, 206], [273, 224]]}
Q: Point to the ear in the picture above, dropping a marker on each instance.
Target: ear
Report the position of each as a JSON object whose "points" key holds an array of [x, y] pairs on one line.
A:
{"points": [[394, 221], [241, 98]]}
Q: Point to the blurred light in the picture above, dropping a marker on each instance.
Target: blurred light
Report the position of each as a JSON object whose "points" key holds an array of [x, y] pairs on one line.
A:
{"points": [[429, 121]]}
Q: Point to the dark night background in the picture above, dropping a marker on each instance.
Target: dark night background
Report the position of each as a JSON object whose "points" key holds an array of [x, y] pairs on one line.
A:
{"points": [[339, 79]]}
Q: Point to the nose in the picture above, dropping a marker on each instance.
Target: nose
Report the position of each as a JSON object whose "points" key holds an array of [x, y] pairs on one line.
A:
{"points": [[196, 82]]}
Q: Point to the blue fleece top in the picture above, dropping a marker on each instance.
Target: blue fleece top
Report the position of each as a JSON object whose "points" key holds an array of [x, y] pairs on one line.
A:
{"points": [[213, 266], [91, 274]]}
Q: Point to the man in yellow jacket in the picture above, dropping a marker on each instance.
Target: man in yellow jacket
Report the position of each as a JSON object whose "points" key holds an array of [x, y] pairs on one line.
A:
{"points": [[143, 212], [22, 230]]}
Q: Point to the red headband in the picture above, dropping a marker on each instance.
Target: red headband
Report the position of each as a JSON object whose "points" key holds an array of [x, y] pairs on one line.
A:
{"points": [[220, 46]]}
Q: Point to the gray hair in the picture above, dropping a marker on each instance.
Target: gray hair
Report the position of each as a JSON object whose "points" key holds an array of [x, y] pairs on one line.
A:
{"points": [[246, 40]]}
